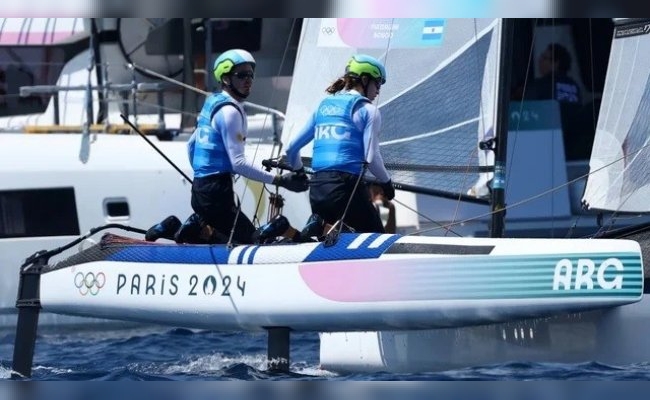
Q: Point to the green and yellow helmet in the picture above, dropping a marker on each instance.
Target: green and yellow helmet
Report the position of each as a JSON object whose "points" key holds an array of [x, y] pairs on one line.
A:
{"points": [[228, 59], [361, 64]]}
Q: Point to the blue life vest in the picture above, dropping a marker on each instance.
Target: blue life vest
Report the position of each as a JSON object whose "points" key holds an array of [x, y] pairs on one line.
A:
{"points": [[207, 149], [338, 143]]}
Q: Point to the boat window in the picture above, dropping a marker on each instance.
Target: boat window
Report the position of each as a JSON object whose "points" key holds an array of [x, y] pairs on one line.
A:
{"points": [[38, 212], [117, 208], [28, 65]]}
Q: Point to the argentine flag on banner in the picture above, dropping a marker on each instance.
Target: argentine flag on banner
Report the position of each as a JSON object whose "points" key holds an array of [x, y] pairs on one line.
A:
{"points": [[432, 30]]}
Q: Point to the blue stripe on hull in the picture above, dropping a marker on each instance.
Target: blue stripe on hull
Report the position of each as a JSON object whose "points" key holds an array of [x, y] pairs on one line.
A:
{"points": [[172, 254], [218, 254], [340, 250]]}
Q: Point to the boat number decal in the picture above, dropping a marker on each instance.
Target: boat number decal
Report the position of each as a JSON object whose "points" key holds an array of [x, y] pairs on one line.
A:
{"points": [[608, 275], [196, 285]]}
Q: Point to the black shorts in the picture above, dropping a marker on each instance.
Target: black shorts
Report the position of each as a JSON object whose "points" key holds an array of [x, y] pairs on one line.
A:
{"points": [[213, 199], [329, 193]]}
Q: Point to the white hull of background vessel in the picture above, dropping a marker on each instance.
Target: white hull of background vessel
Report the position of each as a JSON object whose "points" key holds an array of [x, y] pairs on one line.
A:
{"points": [[613, 336]]}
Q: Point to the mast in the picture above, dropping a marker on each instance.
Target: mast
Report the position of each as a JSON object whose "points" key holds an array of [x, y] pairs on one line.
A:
{"points": [[501, 150]]}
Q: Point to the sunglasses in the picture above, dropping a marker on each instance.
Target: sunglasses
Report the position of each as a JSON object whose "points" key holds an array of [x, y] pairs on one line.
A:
{"points": [[244, 74]]}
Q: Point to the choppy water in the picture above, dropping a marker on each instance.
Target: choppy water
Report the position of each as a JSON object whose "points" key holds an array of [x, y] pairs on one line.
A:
{"points": [[158, 353]]}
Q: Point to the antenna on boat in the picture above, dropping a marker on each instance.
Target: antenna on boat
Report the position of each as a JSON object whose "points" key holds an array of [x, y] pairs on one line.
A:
{"points": [[498, 184]]}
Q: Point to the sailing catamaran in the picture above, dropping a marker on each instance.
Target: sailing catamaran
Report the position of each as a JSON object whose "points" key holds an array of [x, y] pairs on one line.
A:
{"points": [[392, 302], [617, 182]]}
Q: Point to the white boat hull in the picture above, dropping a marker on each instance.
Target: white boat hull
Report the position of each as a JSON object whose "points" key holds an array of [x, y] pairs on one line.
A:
{"points": [[363, 282], [614, 336]]}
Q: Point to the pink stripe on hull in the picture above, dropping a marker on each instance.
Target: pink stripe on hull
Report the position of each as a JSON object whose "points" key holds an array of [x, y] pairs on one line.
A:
{"points": [[350, 281]]}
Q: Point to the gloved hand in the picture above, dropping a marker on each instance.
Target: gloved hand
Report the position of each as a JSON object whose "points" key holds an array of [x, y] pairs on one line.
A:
{"points": [[389, 190], [294, 181], [301, 173]]}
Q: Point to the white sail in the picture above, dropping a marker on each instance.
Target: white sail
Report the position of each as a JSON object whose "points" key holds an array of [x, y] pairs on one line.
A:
{"points": [[487, 114], [439, 95], [431, 105], [619, 170]]}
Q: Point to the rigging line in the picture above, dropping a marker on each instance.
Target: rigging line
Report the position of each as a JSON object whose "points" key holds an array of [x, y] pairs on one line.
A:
{"points": [[553, 59], [153, 105], [276, 139], [546, 192], [463, 183], [257, 146], [634, 155], [521, 103], [558, 121], [615, 215], [365, 165], [593, 88], [282, 62], [135, 128], [200, 91], [481, 120], [274, 90], [406, 206]]}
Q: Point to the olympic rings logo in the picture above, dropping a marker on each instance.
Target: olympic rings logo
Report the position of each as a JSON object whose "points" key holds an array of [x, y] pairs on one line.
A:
{"points": [[89, 282], [328, 110], [328, 30]]}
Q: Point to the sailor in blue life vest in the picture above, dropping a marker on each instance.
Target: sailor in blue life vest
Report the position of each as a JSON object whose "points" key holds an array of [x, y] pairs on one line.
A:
{"points": [[345, 131], [216, 152]]}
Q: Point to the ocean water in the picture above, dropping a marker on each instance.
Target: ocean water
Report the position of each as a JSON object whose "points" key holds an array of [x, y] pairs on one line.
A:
{"points": [[160, 353]]}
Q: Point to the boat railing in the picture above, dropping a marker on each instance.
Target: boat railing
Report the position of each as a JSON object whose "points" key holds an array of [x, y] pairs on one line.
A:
{"points": [[124, 89]]}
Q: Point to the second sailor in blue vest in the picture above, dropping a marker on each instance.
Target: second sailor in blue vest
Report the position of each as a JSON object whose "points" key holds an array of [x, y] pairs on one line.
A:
{"points": [[345, 131]]}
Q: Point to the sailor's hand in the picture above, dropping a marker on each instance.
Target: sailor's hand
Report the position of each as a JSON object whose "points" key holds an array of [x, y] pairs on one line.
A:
{"points": [[301, 173], [294, 181], [387, 203], [389, 190]]}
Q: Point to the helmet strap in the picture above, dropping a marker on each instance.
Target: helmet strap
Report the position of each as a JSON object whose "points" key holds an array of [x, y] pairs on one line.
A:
{"points": [[234, 91], [237, 92]]}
